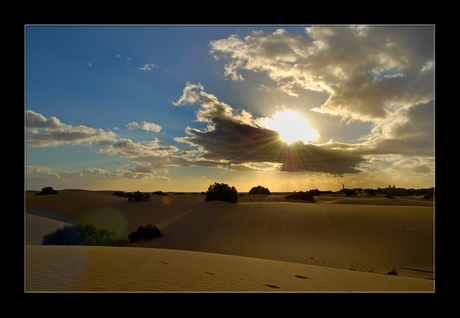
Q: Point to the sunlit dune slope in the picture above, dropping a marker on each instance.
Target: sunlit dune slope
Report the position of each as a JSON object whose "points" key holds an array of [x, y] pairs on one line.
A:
{"points": [[358, 237], [122, 269]]}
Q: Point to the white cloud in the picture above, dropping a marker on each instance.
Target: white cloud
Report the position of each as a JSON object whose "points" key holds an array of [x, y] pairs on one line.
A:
{"points": [[190, 94], [151, 127], [46, 132], [36, 171], [147, 67], [366, 70], [145, 126], [129, 149], [133, 125]]}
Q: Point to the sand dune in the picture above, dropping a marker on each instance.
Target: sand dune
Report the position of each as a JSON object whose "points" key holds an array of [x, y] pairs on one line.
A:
{"points": [[365, 238], [128, 269], [37, 227], [259, 244]]}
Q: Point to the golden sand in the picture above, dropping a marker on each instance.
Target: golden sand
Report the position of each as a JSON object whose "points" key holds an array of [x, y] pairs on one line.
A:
{"points": [[260, 244]]}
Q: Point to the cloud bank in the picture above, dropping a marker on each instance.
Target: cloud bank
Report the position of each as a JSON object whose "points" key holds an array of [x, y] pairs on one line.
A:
{"points": [[46, 132], [367, 71]]}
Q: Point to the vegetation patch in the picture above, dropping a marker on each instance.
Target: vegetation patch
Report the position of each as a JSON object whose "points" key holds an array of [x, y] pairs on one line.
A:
{"points": [[350, 192], [46, 190], [133, 196], [306, 196], [160, 193], [392, 272], [259, 190], [222, 192], [144, 232], [87, 234]]}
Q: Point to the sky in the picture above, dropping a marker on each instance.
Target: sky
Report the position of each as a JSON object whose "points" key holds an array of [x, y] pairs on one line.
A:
{"points": [[180, 107]]}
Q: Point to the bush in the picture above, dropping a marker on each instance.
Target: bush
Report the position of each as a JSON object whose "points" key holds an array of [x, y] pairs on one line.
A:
{"points": [[137, 196], [392, 272], [160, 193], [259, 190], [350, 192], [222, 192], [428, 194], [300, 196], [46, 190], [144, 232], [83, 235]]}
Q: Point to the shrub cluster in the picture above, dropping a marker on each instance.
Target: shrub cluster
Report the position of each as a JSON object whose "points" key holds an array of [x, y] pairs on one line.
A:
{"points": [[259, 190], [144, 232], [83, 235], [222, 192], [136, 196], [307, 196], [160, 193], [429, 194], [350, 192], [46, 190]]}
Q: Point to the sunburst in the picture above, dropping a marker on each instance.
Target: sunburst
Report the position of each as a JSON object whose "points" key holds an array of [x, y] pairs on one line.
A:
{"points": [[292, 127]]}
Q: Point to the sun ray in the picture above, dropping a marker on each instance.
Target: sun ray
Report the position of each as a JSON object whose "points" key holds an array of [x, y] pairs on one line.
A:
{"points": [[292, 127]]}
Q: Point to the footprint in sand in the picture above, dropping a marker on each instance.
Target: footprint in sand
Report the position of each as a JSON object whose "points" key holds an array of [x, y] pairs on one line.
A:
{"points": [[272, 286]]}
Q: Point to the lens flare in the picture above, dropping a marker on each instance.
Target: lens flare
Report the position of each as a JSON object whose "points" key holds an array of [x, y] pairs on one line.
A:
{"points": [[105, 218]]}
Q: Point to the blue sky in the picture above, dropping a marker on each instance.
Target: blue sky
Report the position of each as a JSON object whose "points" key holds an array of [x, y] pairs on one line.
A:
{"points": [[179, 107]]}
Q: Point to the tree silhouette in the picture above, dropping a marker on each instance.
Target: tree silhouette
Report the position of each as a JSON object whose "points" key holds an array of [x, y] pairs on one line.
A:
{"points": [[46, 190]]}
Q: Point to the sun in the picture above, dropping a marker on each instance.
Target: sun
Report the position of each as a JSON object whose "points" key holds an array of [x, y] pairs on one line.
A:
{"points": [[292, 127]]}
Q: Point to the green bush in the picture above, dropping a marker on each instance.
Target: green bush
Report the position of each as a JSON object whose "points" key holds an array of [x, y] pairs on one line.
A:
{"points": [[221, 192], [259, 190], [144, 232], [86, 234]]}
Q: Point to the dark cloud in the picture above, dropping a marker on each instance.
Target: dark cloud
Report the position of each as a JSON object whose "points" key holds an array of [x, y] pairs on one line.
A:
{"points": [[413, 146], [420, 122], [237, 143]]}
